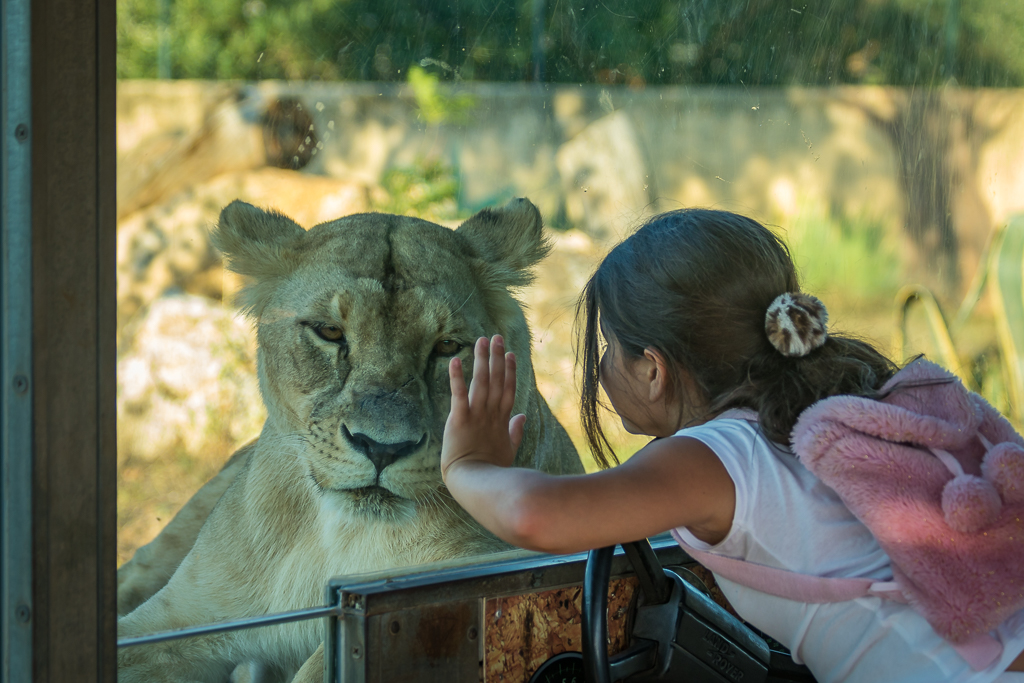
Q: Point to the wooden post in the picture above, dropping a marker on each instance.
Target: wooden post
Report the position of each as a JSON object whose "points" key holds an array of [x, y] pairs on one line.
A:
{"points": [[73, 232]]}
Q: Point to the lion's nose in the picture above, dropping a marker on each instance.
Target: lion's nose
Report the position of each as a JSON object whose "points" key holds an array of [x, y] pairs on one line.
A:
{"points": [[382, 454]]}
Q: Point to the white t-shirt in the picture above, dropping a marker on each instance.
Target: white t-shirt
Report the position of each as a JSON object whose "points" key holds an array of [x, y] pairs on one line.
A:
{"points": [[786, 518]]}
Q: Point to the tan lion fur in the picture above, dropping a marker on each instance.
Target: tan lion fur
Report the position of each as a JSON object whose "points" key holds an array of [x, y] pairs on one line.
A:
{"points": [[154, 563], [304, 503]]}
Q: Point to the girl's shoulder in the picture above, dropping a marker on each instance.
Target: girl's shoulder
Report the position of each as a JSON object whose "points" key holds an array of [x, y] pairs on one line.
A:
{"points": [[752, 459], [734, 432]]}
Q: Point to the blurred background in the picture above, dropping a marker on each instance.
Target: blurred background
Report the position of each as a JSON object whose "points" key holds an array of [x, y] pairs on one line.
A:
{"points": [[883, 139]]}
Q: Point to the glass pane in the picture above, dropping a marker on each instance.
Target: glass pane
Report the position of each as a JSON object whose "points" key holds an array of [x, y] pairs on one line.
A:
{"points": [[883, 139]]}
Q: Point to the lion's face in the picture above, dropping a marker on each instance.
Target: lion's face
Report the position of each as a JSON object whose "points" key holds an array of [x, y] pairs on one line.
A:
{"points": [[355, 348], [357, 321]]}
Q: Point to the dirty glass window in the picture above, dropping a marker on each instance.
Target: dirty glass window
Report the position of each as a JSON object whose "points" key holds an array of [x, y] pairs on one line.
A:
{"points": [[883, 139]]}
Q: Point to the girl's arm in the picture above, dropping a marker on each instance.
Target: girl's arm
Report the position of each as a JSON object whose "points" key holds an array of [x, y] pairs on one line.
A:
{"points": [[669, 483]]}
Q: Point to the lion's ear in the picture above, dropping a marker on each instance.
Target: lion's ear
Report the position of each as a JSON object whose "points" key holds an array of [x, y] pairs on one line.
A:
{"points": [[509, 239], [255, 242], [260, 245]]}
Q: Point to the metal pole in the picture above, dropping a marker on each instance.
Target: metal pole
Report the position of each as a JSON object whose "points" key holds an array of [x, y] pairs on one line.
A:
{"points": [[236, 625], [537, 39], [16, 343]]}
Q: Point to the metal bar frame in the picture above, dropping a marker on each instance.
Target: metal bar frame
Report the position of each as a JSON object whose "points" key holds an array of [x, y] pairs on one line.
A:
{"points": [[346, 611], [16, 607], [234, 625], [360, 598]]}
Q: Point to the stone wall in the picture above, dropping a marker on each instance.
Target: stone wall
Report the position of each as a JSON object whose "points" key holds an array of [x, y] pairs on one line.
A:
{"points": [[601, 158]]}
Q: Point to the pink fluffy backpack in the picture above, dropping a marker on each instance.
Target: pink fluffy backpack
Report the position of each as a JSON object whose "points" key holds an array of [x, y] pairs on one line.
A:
{"points": [[937, 475]]}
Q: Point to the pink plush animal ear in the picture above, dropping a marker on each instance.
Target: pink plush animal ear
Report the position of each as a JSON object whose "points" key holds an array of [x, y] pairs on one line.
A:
{"points": [[1004, 467], [970, 503]]}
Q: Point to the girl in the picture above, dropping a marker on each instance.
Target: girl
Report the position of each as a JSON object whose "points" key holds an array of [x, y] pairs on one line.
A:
{"points": [[682, 306]]}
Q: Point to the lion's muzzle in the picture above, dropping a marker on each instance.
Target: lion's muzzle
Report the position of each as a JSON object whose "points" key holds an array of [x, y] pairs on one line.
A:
{"points": [[381, 454]]}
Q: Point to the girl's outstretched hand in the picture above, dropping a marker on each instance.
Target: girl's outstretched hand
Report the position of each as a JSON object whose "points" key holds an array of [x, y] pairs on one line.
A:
{"points": [[479, 427]]}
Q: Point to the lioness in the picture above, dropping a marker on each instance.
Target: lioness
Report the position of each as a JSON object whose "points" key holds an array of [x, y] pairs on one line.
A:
{"points": [[356, 320]]}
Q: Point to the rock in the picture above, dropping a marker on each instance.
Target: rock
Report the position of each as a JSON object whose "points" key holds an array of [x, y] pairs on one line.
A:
{"points": [[552, 301], [186, 381], [230, 139], [605, 177], [551, 311], [237, 130], [166, 248]]}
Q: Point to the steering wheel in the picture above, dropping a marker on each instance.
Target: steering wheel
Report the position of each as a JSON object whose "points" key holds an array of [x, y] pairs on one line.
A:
{"points": [[679, 633], [595, 615]]}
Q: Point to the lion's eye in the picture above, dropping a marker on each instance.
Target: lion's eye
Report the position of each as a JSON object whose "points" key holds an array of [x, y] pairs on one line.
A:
{"points": [[447, 347], [331, 333]]}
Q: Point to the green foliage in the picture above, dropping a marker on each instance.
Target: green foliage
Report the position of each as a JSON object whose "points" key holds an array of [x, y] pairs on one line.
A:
{"points": [[988, 377], [749, 42], [996, 371], [436, 105], [427, 190], [250, 39], [845, 261], [1007, 294]]}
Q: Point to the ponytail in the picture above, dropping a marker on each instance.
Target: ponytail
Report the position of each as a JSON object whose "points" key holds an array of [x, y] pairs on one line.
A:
{"points": [[779, 388], [700, 287]]}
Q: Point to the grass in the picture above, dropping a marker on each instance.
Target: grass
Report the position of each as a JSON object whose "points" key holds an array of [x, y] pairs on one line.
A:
{"points": [[150, 493], [851, 264], [855, 266], [427, 190]]}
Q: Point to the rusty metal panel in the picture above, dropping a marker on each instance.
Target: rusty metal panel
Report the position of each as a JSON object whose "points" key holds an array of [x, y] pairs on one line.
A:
{"points": [[430, 643], [437, 643], [489, 621], [521, 632]]}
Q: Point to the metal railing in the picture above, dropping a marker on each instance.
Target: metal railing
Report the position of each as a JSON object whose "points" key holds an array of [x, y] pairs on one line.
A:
{"points": [[234, 625]]}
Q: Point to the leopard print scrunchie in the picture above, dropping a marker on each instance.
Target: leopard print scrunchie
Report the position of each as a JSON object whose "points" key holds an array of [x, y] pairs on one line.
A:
{"points": [[796, 324]]}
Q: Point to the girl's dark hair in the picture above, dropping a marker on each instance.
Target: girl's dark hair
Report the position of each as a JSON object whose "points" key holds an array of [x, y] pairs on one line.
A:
{"points": [[695, 285]]}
